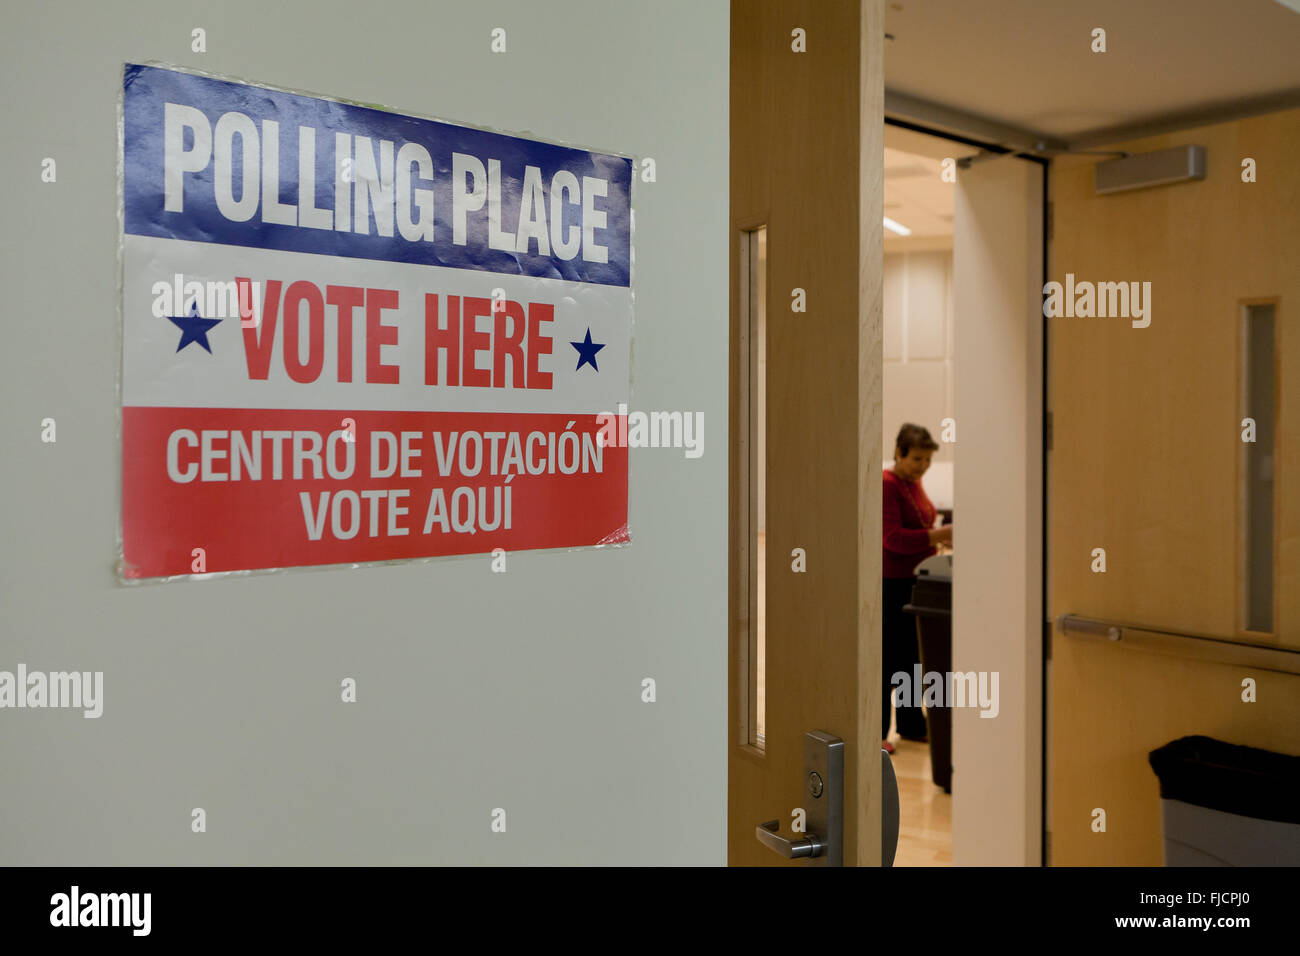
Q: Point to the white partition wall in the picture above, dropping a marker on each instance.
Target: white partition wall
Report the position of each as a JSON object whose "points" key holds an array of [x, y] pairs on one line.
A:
{"points": [[918, 355], [997, 570], [475, 691]]}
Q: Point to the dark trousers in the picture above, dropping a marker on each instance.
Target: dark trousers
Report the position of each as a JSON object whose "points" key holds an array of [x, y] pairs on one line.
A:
{"points": [[899, 652]]}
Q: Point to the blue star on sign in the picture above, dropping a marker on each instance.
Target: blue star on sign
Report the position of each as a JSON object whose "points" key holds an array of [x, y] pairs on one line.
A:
{"points": [[193, 328], [587, 351]]}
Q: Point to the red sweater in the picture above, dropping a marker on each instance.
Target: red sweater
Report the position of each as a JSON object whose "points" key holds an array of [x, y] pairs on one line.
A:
{"points": [[907, 519]]}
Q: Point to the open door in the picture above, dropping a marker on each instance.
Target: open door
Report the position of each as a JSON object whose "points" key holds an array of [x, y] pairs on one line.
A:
{"points": [[997, 608], [806, 206]]}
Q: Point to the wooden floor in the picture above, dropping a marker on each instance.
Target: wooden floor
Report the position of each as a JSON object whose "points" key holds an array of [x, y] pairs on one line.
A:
{"points": [[924, 810]]}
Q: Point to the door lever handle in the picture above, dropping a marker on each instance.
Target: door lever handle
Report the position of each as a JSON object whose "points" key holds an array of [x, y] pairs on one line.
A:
{"points": [[811, 845]]}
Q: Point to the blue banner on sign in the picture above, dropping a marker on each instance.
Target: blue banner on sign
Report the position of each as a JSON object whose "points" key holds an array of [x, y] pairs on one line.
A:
{"points": [[216, 161]]}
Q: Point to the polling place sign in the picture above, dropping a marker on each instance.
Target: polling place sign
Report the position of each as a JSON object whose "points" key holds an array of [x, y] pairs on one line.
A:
{"points": [[351, 335]]}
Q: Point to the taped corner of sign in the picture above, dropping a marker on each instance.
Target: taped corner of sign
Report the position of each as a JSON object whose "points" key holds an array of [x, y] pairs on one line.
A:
{"points": [[620, 535], [126, 574]]}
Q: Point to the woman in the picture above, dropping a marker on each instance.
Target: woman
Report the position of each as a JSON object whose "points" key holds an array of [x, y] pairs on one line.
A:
{"points": [[909, 538]]}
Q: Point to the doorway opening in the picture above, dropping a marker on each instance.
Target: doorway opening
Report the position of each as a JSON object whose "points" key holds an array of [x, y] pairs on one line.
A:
{"points": [[952, 326]]}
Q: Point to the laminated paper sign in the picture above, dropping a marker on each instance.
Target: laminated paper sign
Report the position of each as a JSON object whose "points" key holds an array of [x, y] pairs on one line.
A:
{"points": [[350, 335]]}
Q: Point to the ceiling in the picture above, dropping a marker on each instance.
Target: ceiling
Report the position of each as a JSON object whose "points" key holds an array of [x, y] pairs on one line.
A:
{"points": [[1028, 64], [915, 194]]}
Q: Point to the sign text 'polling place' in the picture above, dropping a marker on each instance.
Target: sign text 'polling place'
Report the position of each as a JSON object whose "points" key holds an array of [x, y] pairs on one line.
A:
{"points": [[351, 335]]}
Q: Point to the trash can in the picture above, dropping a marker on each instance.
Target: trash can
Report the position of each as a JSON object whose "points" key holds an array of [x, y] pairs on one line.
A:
{"points": [[932, 605], [1227, 805]]}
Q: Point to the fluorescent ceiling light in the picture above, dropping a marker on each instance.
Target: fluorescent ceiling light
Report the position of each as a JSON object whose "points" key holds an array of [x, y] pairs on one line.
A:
{"points": [[897, 227], [1291, 4]]}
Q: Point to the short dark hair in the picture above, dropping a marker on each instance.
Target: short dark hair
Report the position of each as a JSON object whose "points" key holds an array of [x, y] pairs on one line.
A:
{"points": [[910, 436]]}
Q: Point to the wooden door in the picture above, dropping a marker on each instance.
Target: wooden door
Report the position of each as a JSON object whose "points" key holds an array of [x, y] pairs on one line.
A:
{"points": [[806, 191], [1146, 472]]}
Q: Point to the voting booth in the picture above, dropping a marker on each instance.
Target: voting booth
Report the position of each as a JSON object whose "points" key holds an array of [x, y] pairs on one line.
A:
{"points": [[932, 604]]}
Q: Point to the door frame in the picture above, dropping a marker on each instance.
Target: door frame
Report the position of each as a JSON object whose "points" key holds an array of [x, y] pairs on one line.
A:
{"points": [[1046, 444]]}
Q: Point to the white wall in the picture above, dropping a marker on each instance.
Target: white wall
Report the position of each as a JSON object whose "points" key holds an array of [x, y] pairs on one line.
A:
{"points": [[475, 690], [918, 357], [997, 543]]}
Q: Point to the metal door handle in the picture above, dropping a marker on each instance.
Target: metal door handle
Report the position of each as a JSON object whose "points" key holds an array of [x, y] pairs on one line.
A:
{"points": [[823, 782], [811, 845]]}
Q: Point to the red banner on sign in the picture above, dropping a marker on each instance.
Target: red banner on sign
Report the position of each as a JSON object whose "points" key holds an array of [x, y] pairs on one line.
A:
{"points": [[212, 489]]}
